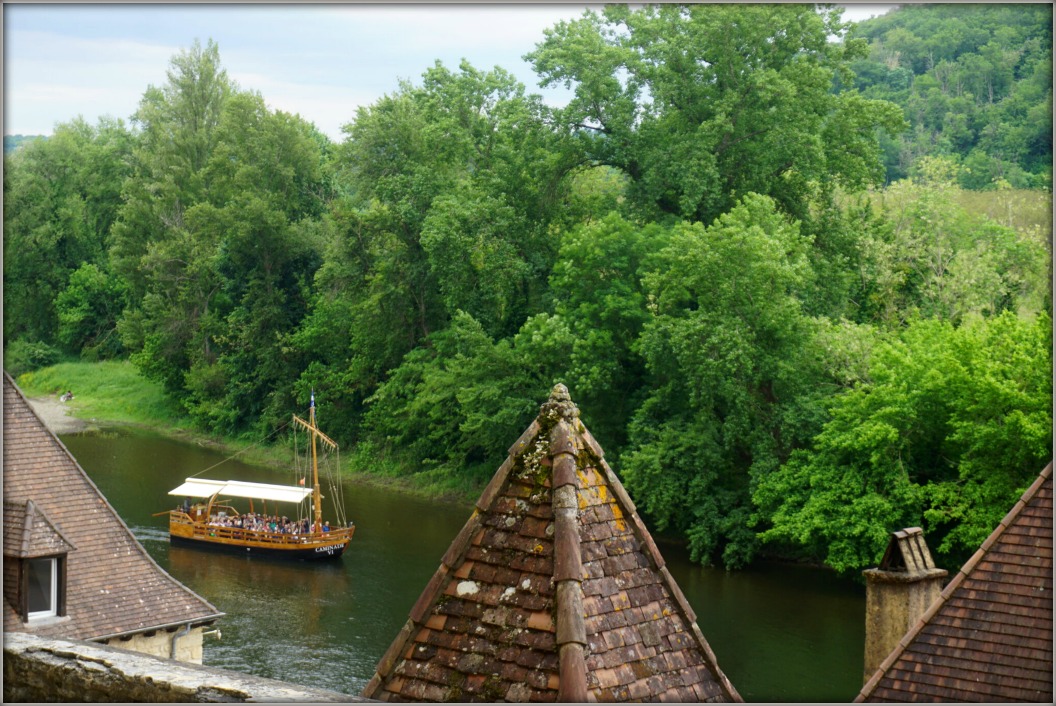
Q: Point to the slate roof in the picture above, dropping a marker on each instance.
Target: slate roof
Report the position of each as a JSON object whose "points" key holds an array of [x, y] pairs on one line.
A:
{"points": [[553, 591], [113, 587], [989, 635]]}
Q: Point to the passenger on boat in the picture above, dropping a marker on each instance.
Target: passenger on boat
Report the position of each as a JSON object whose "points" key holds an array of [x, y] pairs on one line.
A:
{"points": [[326, 526]]}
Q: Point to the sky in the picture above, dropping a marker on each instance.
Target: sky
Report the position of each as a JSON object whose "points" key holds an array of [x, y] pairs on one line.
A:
{"points": [[319, 61]]}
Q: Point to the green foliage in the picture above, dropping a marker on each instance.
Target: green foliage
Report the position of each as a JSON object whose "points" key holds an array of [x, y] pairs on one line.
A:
{"points": [[597, 286], [933, 258], [948, 426], [975, 82], [470, 239], [732, 381], [1001, 426], [60, 197], [456, 404], [23, 356], [734, 99], [88, 310]]}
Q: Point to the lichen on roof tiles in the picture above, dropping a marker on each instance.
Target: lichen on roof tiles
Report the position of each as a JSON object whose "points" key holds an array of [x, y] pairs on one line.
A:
{"points": [[553, 590]]}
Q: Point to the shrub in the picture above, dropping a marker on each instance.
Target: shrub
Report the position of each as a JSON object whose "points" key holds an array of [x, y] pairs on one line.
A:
{"points": [[23, 356]]}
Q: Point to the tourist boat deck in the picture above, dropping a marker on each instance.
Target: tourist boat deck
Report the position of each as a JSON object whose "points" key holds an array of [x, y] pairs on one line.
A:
{"points": [[216, 524]]}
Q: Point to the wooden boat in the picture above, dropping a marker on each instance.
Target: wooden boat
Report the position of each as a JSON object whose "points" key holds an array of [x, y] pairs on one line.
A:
{"points": [[213, 523]]}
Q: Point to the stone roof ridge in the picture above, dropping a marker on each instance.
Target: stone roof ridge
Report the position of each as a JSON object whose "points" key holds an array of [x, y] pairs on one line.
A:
{"points": [[568, 558], [553, 590], [954, 586], [559, 405]]}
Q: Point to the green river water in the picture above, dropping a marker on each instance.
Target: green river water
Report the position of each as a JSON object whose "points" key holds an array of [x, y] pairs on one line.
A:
{"points": [[781, 633]]}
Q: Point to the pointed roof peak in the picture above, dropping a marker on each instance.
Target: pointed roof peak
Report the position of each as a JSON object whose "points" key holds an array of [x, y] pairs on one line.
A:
{"points": [[554, 590], [32, 533], [559, 405]]}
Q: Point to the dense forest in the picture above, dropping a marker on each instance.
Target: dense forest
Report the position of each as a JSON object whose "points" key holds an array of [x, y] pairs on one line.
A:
{"points": [[740, 244], [975, 82]]}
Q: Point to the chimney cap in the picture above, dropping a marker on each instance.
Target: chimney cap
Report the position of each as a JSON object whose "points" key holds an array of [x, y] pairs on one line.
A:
{"points": [[907, 552]]}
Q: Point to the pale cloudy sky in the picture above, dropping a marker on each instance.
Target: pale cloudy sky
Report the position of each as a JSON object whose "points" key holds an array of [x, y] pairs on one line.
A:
{"points": [[321, 61]]}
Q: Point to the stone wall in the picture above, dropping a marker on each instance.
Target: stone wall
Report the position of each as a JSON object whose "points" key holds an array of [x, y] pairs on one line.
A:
{"points": [[38, 669]]}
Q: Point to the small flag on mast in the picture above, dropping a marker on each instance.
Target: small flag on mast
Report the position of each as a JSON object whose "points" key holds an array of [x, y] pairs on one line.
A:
{"points": [[313, 398]]}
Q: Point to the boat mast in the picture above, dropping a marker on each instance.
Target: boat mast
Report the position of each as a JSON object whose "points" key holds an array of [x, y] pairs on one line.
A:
{"points": [[316, 496]]}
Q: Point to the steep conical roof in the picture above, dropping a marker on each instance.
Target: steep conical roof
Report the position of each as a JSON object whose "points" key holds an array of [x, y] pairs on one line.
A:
{"points": [[553, 591]]}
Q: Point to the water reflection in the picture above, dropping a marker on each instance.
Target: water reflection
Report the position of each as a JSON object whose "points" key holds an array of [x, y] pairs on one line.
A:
{"points": [[780, 633]]}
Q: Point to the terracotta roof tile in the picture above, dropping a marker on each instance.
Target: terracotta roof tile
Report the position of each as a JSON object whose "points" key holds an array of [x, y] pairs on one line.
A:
{"points": [[553, 590], [989, 635], [113, 587]]}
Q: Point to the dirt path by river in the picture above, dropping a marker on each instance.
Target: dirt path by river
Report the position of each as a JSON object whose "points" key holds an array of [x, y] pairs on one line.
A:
{"points": [[56, 415]]}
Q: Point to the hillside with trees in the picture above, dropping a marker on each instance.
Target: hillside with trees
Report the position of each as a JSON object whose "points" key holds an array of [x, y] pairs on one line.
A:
{"points": [[975, 82], [779, 353]]}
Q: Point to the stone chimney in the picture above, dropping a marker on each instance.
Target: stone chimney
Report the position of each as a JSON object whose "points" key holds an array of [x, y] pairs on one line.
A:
{"points": [[897, 594]]}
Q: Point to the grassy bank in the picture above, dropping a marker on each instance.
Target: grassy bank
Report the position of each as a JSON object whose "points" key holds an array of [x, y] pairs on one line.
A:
{"points": [[114, 393], [109, 392]]}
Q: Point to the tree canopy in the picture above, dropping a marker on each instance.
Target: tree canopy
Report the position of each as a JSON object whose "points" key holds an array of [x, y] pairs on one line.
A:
{"points": [[779, 353]]}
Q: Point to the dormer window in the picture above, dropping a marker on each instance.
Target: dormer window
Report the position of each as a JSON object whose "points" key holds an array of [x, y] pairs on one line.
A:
{"points": [[34, 563]]}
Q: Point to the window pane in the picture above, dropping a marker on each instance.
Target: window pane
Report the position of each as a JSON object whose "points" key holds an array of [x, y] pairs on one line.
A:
{"points": [[41, 587]]}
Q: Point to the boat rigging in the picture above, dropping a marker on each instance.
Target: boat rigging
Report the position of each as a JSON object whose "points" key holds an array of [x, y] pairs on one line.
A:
{"points": [[216, 524]]}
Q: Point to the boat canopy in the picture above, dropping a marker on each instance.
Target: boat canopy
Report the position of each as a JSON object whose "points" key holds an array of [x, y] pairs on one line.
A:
{"points": [[204, 488]]}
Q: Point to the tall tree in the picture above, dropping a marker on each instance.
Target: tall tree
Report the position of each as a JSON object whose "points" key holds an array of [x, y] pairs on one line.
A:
{"points": [[734, 376], [700, 104], [448, 188], [61, 195], [177, 124], [265, 191]]}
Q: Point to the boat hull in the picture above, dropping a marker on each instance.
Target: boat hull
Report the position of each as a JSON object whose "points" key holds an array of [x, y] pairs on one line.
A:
{"points": [[319, 552], [322, 546]]}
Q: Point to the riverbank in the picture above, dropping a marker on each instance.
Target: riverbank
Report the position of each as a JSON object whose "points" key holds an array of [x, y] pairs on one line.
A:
{"points": [[56, 416], [112, 393]]}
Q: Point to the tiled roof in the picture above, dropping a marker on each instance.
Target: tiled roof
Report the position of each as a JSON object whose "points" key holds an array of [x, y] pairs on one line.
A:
{"points": [[28, 533], [553, 591], [989, 636], [113, 587]]}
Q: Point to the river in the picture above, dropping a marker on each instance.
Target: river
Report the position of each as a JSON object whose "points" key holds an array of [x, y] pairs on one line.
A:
{"points": [[781, 633]]}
